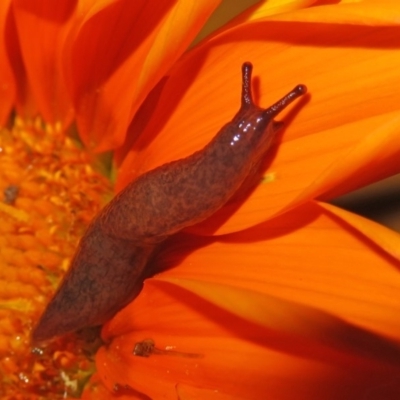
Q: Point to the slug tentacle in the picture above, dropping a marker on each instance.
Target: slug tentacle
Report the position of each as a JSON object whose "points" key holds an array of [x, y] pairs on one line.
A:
{"points": [[110, 262], [247, 97], [276, 108]]}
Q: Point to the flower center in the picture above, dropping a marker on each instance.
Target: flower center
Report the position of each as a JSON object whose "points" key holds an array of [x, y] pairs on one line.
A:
{"points": [[48, 194]]}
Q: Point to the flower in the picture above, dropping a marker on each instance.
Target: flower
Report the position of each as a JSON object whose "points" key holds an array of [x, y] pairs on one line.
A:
{"points": [[279, 294]]}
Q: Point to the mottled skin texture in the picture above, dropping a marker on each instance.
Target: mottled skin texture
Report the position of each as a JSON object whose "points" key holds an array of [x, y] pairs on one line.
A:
{"points": [[106, 271]]}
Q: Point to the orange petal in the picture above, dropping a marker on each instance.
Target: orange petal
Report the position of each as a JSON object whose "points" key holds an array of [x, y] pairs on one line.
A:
{"points": [[199, 347], [119, 54], [298, 304], [307, 256], [24, 102], [374, 157], [189, 392], [286, 317], [7, 82], [357, 41], [95, 390], [384, 237], [42, 53]]}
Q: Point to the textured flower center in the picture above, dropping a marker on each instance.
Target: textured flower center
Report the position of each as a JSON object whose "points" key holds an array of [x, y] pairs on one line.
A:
{"points": [[48, 194]]}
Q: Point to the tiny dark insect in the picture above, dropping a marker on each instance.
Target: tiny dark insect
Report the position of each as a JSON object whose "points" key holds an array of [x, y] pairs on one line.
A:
{"points": [[144, 348], [107, 270], [147, 347]]}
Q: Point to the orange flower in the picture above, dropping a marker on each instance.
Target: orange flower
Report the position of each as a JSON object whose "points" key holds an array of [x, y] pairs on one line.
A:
{"points": [[279, 294], [296, 299]]}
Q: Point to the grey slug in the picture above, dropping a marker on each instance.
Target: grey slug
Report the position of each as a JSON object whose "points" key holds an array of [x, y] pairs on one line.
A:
{"points": [[106, 271]]}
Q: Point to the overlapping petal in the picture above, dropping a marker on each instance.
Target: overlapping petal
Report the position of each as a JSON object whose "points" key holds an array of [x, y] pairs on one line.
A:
{"points": [[205, 352], [330, 264], [16, 90], [136, 43], [351, 69], [314, 304], [43, 26], [7, 83], [118, 54], [385, 238]]}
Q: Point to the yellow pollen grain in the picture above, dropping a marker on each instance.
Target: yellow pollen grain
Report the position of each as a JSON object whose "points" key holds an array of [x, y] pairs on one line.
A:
{"points": [[49, 192], [269, 177], [19, 215]]}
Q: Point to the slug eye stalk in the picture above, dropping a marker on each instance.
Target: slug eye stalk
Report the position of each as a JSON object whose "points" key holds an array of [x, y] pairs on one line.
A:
{"points": [[276, 108]]}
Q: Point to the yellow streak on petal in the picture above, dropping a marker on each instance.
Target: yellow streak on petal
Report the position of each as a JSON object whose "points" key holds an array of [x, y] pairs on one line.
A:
{"points": [[272, 7]]}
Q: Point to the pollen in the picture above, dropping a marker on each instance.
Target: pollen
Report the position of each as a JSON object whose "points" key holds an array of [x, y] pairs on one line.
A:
{"points": [[48, 194]]}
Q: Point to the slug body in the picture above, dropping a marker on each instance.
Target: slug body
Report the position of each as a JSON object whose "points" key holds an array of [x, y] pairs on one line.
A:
{"points": [[106, 271]]}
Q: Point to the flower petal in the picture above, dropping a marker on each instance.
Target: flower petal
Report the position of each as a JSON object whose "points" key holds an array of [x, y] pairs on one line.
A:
{"points": [[373, 158], [119, 54], [95, 390], [283, 316], [202, 94], [304, 320], [42, 53], [382, 236], [7, 82], [307, 256], [199, 345]]}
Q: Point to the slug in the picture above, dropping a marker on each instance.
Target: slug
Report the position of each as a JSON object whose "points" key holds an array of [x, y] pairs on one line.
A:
{"points": [[106, 270]]}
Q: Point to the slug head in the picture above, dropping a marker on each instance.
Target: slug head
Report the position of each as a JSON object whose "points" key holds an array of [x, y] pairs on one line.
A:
{"points": [[256, 125]]}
